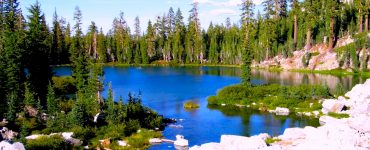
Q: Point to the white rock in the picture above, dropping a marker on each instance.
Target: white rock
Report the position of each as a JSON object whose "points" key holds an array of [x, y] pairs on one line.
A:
{"points": [[122, 143], [5, 146], [33, 137], [332, 106], [242, 143], [67, 135], [208, 146], [282, 111], [292, 134], [181, 141], [18, 146], [155, 140], [360, 123]]}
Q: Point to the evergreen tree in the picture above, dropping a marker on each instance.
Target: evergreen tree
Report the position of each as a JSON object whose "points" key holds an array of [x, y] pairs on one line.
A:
{"points": [[92, 41], [102, 47], [12, 108], [38, 50], [79, 57], [195, 51], [247, 15], [110, 105], [58, 43], [150, 38], [332, 12], [29, 97], [12, 52], [52, 101], [137, 57]]}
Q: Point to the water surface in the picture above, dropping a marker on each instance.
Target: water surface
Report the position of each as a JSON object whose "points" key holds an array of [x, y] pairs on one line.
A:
{"points": [[165, 89]]}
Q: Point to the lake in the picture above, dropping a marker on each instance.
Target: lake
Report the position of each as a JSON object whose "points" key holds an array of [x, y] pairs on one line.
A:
{"points": [[165, 89]]}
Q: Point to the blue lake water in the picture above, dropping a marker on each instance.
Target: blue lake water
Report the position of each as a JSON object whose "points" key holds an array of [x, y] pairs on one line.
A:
{"points": [[165, 89]]}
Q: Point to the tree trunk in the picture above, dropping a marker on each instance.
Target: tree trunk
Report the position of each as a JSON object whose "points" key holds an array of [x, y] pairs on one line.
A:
{"points": [[332, 36], [308, 40], [295, 32], [360, 29], [366, 23]]}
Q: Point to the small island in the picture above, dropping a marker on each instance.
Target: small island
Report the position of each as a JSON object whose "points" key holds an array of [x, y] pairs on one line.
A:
{"points": [[190, 104]]}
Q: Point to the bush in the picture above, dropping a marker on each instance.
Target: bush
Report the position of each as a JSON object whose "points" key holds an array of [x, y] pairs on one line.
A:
{"points": [[141, 140], [191, 105], [132, 127], [64, 85], [54, 142], [83, 133]]}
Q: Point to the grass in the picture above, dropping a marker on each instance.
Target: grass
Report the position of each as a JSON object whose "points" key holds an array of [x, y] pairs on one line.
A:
{"points": [[191, 105], [338, 116], [269, 141], [336, 72], [272, 96]]}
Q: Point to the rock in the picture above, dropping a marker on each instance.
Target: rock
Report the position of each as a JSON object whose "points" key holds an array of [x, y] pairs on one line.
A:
{"points": [[282, 111], [5, 146], [242, 143], [67, 135], [360, 123], [33, 137], [8, 134], [175, 126], [292, 134], [155, 140], [18, 146], [334, 106], [209, 146], [122, 143], [181, 141], [73, 141]]}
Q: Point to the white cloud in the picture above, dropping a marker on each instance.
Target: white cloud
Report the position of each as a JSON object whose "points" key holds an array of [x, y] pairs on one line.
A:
{"points": [[217, 12], [228, 3]]}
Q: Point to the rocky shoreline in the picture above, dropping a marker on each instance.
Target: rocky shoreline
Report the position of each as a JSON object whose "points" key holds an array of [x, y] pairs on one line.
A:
{"points": [[338, 134]]}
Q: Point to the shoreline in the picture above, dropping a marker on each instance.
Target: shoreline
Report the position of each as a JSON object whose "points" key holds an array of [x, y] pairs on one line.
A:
{"points": [[334, 133]]}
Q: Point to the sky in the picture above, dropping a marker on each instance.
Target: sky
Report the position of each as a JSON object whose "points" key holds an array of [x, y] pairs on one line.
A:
{"points": [[102, 12]]}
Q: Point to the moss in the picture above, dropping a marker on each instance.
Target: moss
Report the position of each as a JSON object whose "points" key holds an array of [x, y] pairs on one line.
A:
{"points": [[191, 105], [338, 116], [269, 141]]}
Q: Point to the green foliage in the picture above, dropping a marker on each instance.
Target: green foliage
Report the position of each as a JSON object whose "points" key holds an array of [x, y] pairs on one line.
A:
{"points": [[132, 127], [338, 116], [141, 140], [54, 142], [52, 101], [272, 96], [64, 85], [191, 105], [269, 141]]}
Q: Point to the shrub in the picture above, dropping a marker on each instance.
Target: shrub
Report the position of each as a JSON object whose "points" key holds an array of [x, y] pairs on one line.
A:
{"points": [[83, 133], [141, 140], [54, 142], [191, 105], [131, 127], [64, 85]]}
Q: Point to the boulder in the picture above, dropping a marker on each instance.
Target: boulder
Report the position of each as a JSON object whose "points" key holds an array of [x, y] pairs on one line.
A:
{"points": [[209, 146], [181, 141], [8, 134], [242, 143], [33, 137], [360, 123], [155, 140], [330, 105], [5, 146], [282, 111], [292, 134], [18, 146], [122, 143]]}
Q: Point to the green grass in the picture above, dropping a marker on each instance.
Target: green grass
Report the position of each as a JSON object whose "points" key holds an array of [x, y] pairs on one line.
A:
{"points": [[336, 72], [191, 105], [272, 96], [338, 116], [271, 140]]}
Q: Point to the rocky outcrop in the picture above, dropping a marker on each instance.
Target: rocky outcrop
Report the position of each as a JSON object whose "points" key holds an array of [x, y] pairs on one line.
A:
{"points": [[7, 134], [15, 146], [181, 141], [339, 134], [67, 136], [332, 106]]}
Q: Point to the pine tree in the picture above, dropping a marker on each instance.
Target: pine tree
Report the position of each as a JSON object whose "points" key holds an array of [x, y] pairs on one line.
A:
{"points": [[92, 41], [333, 11], [12, 52], [247, 15], [295, 10], [12, 106], [79, 57], [195, 49], [137, 57], [38, 51], [110, 105], [52, 101], [29, 96], [58, 43], [102, 47], [150, 38]]}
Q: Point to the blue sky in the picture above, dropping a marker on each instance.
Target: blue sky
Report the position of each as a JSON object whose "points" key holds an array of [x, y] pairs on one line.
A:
{"points": [[102, 12]]}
